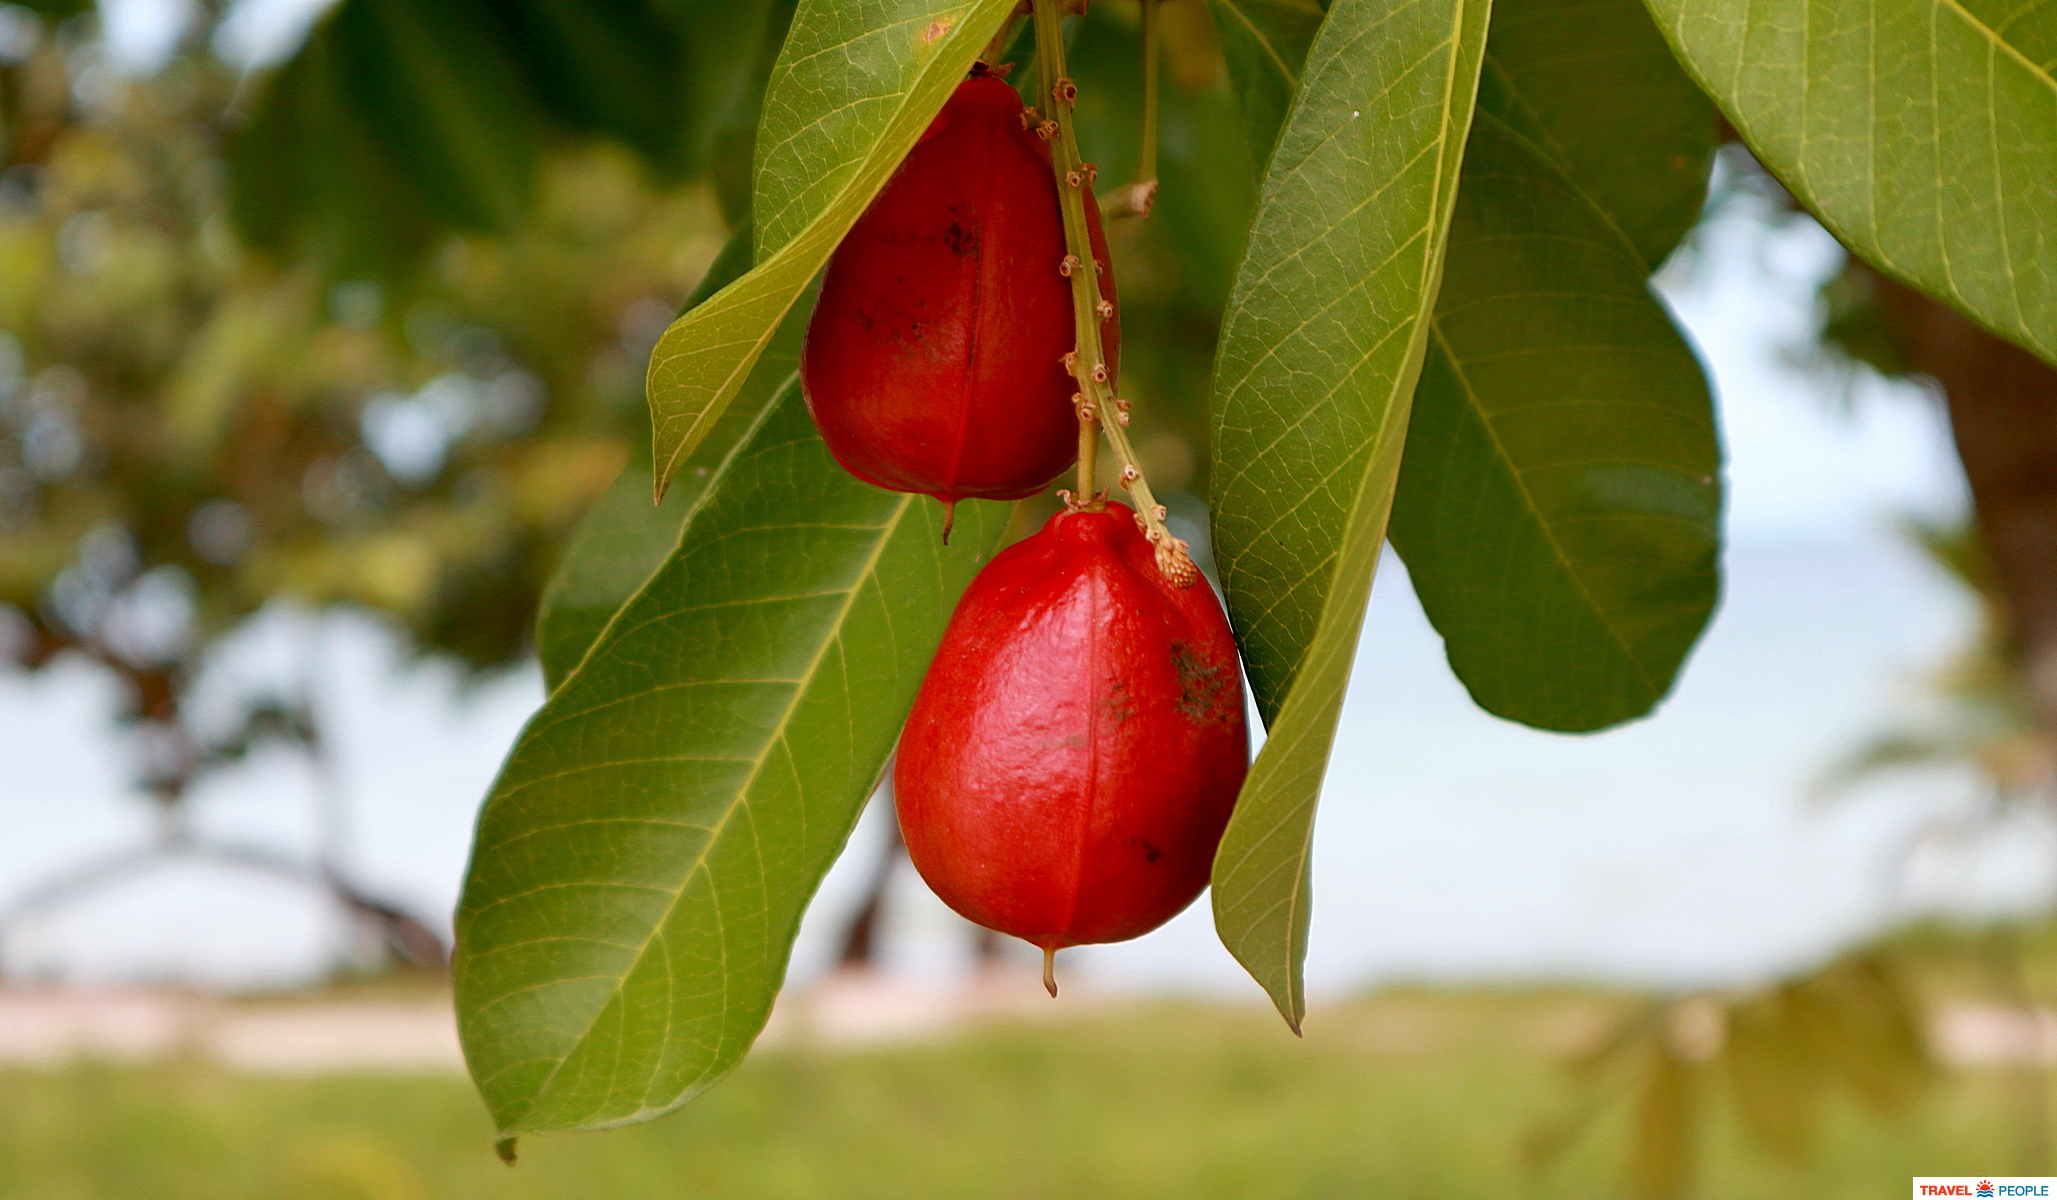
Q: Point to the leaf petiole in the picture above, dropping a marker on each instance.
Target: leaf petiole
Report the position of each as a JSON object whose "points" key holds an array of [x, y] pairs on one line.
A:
{"points": [[1139, 197]]}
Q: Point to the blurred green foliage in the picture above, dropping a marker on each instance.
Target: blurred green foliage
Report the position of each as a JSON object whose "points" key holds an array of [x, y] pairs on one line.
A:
{"points": [[1781, 1063], [190, 432], [398, 120]]}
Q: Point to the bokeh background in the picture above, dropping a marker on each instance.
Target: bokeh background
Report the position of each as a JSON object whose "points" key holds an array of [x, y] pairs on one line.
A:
{"points": [[277, 503]]}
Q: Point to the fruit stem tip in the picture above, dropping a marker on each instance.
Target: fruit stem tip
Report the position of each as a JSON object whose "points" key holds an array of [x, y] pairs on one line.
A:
{"points": [[1050, 971], [949, 519]]}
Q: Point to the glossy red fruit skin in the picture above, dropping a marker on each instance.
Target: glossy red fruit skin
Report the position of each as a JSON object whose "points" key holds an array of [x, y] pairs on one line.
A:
{"points": [[932, 359], [1077, 745]]}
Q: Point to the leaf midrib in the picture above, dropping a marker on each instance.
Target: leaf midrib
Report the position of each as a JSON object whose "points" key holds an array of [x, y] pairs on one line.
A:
{"points": [[1459, 367], [1299, 895], [1534, 511], [898, 100], [1559, 167], [699, 862], [1270, 51], [718, 471]]}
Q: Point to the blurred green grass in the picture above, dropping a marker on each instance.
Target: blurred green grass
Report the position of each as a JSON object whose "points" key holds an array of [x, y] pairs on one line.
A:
{"points": [[1402, 1096]]}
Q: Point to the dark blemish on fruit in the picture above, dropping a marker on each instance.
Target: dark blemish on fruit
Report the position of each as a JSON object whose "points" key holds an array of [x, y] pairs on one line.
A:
{"points": [[962, 242], [1200, 684], [1118, 702], [1151, 853]]}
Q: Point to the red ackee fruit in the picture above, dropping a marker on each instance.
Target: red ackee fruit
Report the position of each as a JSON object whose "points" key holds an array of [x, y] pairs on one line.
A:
{"points": [[932, 361], [1077, 746]]}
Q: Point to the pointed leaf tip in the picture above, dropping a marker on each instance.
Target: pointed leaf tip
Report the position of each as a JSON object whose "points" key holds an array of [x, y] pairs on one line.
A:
{"points": [[887, 89], [1313, 379]]}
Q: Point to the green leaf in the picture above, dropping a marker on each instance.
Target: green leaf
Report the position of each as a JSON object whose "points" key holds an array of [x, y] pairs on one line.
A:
{"points": [[1850, 1026], [617, 545], [456, 123], [1319, 354], [1559, 502], [853, 88], [315, 174], [733, 99], [619, 70], [1265, 42], [397, 122], [643, 860], [1593, 86], [1922, 133], [625, 537]]}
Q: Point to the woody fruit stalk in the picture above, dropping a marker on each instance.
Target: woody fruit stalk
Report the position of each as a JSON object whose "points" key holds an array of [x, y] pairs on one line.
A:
{"points": [[1088, 362]]}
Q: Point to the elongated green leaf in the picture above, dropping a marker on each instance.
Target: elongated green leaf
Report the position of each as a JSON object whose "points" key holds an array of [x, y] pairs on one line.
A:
{"points": [[730, 142], [1318, 359], [617, 545], [374, 137], [854, 86], [1265, 42], [1923, 133], [399, 121], [625, 537], [644, 857], [1559, 501], [605, 68]]}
